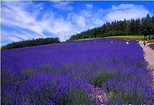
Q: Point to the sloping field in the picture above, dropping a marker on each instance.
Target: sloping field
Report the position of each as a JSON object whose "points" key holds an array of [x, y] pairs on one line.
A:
{"points": [[68, 73]]}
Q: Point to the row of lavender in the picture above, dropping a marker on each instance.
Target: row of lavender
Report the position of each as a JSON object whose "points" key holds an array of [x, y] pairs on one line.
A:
{"points": [[63, 73], [152, 46]]}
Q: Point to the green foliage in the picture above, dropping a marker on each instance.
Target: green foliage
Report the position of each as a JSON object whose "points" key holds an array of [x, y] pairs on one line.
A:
{"points": [[53, 82], [124, 97], [34, 42], [147, 25], [131, 36], [7, 78], [144, 27], [77, 97], [99, 78], [28, 72], [46, 68]]}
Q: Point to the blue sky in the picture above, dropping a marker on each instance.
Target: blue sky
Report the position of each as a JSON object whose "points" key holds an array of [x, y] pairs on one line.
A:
{"points": [[22, 20]]}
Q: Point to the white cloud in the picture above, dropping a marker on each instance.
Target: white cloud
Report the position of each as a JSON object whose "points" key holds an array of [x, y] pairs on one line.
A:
{"points": [[6, 36], [63, 5], [86, 13], [61, 25], [84, 20], [18, 35], [126, 11], [16, 15], [123, 6], [80, 20], [13, 15], [89, 5]]}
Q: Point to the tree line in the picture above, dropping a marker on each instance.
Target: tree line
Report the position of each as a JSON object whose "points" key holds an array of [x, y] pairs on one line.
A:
{"points": [[33, 42], [144, 26]]}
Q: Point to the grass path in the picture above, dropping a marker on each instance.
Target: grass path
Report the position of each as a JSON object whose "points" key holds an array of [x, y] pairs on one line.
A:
{"points": [[149, 57], [130, 37]]}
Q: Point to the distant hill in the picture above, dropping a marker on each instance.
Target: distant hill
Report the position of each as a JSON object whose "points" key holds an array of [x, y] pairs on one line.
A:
{"points": [[34, 42], [144, 26]]}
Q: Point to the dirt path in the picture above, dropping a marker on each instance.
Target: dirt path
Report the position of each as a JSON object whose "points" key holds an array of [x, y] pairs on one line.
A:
{"points": [[149, 57]]}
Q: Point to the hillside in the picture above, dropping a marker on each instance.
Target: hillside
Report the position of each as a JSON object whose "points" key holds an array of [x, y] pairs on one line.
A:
{"points": [[144, 27], [34, 42]]}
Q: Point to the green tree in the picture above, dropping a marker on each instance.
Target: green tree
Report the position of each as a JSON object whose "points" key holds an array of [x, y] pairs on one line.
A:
{"points": [[146, 26], [137, 26], [132, 26]]}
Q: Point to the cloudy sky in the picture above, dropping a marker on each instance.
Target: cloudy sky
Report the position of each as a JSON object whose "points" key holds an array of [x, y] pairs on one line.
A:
{"points": [[35, 19]]}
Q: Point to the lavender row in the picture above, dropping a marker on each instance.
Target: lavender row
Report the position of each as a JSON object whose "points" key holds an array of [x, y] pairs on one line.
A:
{"points": [[152, 46]]}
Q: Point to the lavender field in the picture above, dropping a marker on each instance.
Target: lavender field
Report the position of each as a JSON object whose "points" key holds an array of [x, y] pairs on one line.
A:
{"points": [[64, 73]]}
